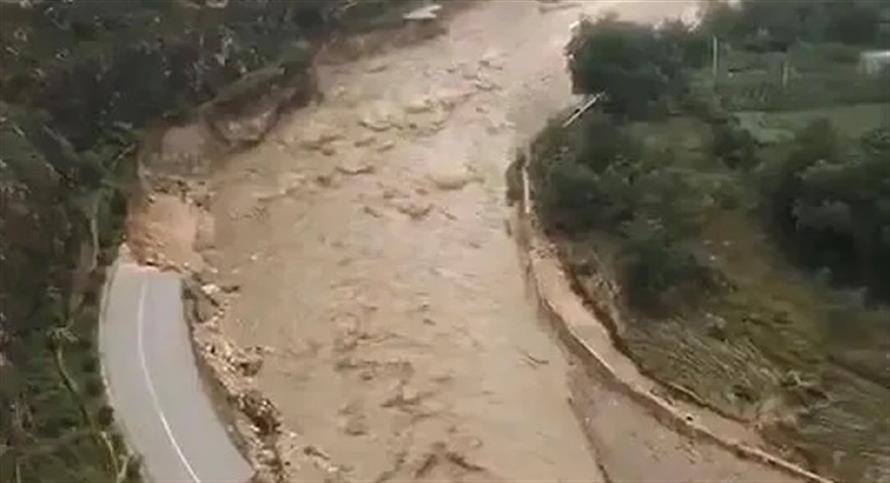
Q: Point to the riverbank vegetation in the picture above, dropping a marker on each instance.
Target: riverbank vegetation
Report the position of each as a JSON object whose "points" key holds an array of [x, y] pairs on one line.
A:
{"points": [[735, 182], [79, 85]]}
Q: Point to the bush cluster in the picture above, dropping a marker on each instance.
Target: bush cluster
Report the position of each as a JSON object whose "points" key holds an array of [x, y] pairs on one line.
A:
{"points": [[634, 65], [597, 176], [830, 201]]}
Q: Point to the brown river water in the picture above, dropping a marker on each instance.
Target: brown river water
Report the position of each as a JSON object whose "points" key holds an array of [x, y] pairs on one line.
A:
{"points": [[368, 234]]}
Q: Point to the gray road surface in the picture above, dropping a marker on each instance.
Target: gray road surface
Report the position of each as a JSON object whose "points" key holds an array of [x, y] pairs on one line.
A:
{"points": [[155, 389]]}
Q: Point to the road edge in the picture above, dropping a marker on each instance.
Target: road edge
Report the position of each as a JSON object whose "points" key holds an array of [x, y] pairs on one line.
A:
{"points": [[226, 420], [104, 302]]}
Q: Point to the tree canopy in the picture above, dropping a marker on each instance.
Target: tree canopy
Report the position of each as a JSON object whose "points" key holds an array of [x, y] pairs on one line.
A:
{"points": [[633, 64]]}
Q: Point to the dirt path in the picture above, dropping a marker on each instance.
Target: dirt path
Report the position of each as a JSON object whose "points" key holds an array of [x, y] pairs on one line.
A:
{"points": [[368, 237]]}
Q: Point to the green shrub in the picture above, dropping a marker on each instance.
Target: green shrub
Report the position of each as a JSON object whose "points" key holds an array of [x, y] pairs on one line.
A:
{"points": [[56, 425], [704, 104], [601, 141], [632, 63], [568, 195], [831, 201], [733, 145], [661, 276], [90, 364], [94, 387], [105, 416], [596, 175], [694, 47], [134, 468]]}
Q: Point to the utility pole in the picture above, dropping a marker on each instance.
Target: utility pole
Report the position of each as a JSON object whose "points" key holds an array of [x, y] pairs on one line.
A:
{"points": [[715, 58], [786, 70], [526, 190]]}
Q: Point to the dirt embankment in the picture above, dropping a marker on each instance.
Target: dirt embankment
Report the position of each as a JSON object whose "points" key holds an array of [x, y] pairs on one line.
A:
{"points": [[358, 252]]}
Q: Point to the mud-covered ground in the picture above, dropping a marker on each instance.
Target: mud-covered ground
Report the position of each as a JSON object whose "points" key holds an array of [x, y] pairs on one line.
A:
{"points": [[368, 244]]}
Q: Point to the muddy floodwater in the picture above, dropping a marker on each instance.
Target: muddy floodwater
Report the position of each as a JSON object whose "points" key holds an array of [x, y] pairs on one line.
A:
{"points": [[368, 236]]}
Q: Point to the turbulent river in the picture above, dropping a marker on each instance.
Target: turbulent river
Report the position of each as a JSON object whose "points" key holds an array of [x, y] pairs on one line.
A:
{"points": [[368, 234]]}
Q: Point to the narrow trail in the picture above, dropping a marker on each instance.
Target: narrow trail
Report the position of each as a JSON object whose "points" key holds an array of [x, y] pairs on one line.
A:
{"points": [[368, 236]]}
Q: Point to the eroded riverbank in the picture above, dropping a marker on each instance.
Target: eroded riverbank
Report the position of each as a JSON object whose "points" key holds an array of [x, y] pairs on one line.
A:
{"points": [[367, 241], [368, 238]]}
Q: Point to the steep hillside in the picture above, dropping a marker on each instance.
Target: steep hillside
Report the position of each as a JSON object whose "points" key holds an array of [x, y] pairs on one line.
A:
{"points": [[80, 82]]}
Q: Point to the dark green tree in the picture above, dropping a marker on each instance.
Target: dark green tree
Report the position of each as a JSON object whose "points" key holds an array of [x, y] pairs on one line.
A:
{"points": [[630, 62]]}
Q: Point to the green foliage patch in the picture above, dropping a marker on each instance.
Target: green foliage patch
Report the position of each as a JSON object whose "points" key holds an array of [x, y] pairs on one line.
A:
{"points": [[751, 247]]}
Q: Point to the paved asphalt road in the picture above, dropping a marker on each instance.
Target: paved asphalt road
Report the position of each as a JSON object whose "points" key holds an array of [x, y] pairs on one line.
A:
{"points": [[155, 389]]}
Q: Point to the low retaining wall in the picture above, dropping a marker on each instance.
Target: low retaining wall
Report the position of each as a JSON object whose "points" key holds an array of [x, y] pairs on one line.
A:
{"points": [[538, 256]]}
